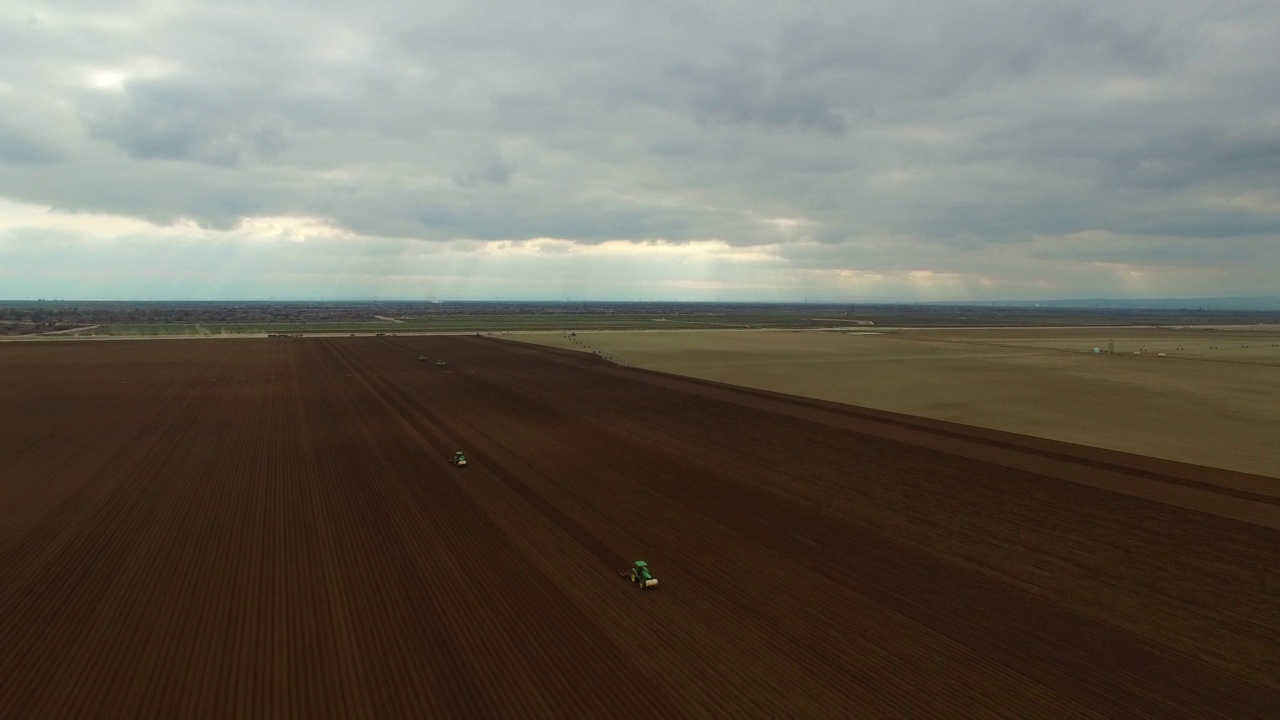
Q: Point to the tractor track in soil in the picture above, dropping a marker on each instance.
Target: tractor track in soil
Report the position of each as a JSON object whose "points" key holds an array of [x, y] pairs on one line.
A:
{"points": [[271, 528]]}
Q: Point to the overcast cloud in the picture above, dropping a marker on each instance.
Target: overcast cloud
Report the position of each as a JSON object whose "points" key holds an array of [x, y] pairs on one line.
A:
{"points": [[613, 150]]}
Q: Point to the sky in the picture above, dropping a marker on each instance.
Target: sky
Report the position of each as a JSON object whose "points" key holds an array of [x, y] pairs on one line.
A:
{"points": [[562, 149]]}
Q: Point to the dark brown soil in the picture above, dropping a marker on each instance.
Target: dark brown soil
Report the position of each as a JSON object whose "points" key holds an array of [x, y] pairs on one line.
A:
{"points": [[271, 528]]}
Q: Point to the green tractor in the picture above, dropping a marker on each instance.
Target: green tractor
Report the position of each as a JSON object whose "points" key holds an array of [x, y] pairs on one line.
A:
{"points": [[459, 459], [640, 575]]}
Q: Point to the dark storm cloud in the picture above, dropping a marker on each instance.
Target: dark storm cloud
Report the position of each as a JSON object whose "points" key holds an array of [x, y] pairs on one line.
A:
{"points": [[175, 121], [20, 147], [968, 127], [490, 170], [738, 97]]}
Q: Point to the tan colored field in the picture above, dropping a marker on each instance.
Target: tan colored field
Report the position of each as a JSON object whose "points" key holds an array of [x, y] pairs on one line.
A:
{"points": [[1213, 400]]}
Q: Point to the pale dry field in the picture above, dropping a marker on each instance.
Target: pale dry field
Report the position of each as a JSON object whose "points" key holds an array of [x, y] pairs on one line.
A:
{"points": [[1214, 399]]}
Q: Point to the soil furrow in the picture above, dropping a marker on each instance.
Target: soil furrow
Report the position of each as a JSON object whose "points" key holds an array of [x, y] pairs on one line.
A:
{"points": [[270, 528]]}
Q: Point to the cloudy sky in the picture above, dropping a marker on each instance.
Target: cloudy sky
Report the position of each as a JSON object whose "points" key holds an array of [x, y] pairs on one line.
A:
{"points": [[746, 150]]}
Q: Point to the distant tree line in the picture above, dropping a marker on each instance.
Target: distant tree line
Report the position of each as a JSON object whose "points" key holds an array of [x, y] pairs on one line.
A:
{"points": [[45, 313]]}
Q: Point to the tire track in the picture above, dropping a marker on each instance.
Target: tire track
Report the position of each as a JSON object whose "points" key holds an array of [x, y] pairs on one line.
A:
{"points": [[427, 430]]}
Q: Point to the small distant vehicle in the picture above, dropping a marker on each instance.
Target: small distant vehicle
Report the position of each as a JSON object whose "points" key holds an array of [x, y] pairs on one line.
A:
{"points": [[640, 575], [458, 459], [439, 363], [422, 358]]}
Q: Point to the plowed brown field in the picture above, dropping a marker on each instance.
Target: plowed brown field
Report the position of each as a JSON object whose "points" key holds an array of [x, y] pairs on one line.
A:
{"points": [[271, 528]]}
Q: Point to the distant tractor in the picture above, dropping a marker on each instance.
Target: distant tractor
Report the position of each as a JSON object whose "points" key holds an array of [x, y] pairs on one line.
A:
{"points": [[640, 575], [422, 358], [439, 363], [458, 459]]}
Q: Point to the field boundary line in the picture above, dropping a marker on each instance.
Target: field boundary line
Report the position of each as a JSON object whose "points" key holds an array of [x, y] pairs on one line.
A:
{"points": [[1002, 448]]}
